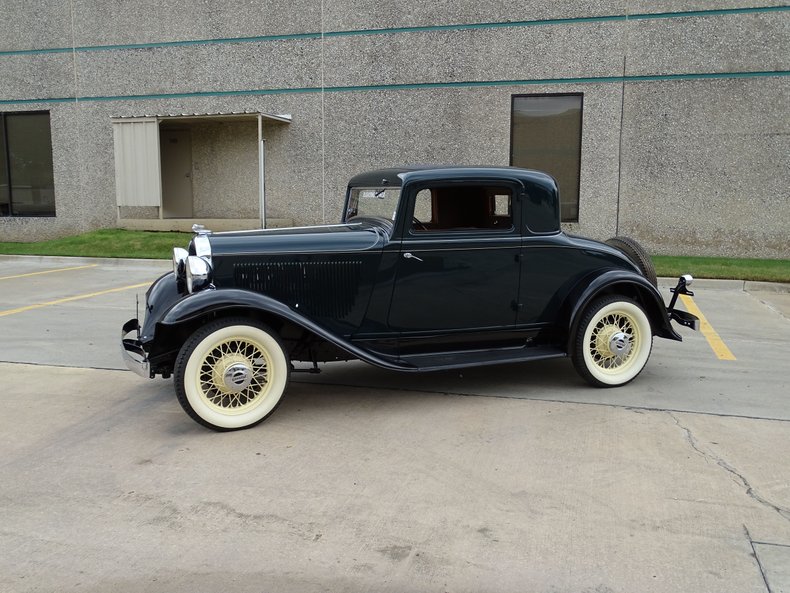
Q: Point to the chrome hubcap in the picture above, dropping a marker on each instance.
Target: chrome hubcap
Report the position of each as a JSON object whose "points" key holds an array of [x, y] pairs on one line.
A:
{"points": [[237, 377], [620, 344]]}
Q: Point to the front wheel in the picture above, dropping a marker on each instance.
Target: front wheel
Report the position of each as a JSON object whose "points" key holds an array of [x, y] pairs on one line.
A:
{"points": [[613, 342], [231, 374]]}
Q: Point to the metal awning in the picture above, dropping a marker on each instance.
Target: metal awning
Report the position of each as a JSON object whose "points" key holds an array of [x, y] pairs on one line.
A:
{"points": [[219, 116]]}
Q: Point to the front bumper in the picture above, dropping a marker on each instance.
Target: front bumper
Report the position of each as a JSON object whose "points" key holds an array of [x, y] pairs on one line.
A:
{"points": [[134, 356]]}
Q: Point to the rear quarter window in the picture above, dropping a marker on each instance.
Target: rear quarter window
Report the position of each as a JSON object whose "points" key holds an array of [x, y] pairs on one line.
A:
{"points": [[542, 210]]}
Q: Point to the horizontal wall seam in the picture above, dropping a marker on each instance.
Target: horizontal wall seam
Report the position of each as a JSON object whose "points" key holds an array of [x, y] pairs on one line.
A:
{"points": [[408, 86], [397, 30]]}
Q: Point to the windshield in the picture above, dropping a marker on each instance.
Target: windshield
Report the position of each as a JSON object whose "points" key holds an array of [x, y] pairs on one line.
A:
{"points": [[377, 202]]}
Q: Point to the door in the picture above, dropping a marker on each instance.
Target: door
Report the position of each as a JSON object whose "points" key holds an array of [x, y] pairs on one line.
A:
{"points": [[176, 151], [458, 268]]}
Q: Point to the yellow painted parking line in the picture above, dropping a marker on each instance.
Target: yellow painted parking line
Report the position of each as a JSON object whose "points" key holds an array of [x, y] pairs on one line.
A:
{"points": [[69, 299], [714, 340], [48, 272]]}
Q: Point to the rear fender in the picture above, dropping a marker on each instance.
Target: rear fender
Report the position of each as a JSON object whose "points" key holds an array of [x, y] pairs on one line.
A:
{"points": [[619, 282]]}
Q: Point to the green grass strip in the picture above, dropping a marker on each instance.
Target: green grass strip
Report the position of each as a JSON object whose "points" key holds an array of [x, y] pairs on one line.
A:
{"points": [[766, 270], [105, 243]]}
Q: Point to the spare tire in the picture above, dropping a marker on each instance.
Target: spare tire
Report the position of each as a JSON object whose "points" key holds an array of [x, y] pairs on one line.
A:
{"points": [[637, 254]]}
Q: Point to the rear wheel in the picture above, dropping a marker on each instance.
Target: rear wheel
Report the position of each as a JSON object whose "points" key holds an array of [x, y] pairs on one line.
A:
{"points": [[231, 374], [637, 254], [613, 342]]}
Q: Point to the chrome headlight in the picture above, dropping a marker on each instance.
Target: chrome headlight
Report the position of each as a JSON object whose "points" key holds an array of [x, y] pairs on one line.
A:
{"points": [[198, 271], [179, 262]]}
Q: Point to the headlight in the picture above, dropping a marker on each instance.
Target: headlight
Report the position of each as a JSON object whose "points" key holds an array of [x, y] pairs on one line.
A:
{"points": [[179, 262], [198, 272]]}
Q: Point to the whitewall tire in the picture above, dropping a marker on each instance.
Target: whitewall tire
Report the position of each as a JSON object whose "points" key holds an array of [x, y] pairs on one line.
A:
{"points": [[231, 374], [613, 342]]}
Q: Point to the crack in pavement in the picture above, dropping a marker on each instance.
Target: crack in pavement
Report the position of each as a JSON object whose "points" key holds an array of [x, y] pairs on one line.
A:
{"points": [[738, 477]]}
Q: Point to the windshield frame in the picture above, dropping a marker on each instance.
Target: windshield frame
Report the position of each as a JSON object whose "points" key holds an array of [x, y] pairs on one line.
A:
{"points": [[357, 195]]}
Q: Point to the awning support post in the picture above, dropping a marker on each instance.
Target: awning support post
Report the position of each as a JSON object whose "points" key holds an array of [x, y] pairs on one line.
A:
{"points": [[261, 172]]}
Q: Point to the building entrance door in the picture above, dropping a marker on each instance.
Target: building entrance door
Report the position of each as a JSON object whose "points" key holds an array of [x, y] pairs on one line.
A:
{"points": [[176, 154]]}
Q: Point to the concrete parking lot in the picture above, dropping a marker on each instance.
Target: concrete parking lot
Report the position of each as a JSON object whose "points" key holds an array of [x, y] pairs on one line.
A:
{"points": [[512, 478]]}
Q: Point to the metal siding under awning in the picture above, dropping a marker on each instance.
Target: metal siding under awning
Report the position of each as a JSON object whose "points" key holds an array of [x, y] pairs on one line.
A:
{"points": [[137, 163]]}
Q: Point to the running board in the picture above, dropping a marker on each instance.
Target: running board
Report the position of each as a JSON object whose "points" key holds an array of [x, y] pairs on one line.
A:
{"points": [[459, 360]]}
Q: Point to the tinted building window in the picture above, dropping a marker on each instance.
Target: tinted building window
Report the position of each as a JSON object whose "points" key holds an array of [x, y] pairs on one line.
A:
{"points": [[27, 185], [546, 134], [5, 190]]}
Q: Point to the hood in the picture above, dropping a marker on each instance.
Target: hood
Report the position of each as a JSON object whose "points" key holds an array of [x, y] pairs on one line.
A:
{"points": [[324, 238]]}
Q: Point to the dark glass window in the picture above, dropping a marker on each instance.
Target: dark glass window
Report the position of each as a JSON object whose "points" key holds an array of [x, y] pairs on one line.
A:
{"points": [[464, 207], [5, 189], [27, 185], [546, 134]]}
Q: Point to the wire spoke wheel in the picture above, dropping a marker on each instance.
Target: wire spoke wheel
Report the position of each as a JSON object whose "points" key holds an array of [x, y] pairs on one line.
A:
{"points": [[231, 374], [613, 342], [234, 375]]}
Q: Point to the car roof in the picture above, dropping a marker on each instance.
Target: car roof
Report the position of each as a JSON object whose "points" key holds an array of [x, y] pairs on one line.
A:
{"points": [[398, 176]]}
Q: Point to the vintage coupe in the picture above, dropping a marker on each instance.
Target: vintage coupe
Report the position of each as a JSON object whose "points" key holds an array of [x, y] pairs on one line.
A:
{"points": [[430, 268]]}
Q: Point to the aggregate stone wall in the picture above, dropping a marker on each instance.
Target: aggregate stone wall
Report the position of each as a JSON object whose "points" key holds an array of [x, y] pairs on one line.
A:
{"points": [[685, 137], [705, 167], [225, 169]]}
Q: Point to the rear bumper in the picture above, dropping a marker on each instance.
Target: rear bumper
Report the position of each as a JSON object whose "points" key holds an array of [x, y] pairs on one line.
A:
{"points": [[684, 318], [134, 356]]}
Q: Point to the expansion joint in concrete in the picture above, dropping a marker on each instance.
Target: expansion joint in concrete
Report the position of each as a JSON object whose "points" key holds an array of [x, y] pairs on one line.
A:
{"points": [[757, 559], [771, 307]]}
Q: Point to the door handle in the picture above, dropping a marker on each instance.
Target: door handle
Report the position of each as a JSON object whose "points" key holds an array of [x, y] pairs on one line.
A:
{"points": [[408, 255]]}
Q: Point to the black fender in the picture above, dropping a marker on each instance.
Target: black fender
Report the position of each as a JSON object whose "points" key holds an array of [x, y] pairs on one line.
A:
{"points": [[626, 283], [203, 303]]}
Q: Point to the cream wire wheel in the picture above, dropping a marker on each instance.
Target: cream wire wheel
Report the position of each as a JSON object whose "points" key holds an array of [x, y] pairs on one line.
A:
{"points": [[613, 342], [231, 374]]}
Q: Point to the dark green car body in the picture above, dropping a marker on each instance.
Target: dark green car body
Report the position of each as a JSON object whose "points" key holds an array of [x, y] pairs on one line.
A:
{"points": [[469, 268]]}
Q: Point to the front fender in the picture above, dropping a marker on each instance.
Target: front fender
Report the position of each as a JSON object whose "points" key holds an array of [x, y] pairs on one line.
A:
{"points": [[209, 301], [626, 283], [201, 303]]}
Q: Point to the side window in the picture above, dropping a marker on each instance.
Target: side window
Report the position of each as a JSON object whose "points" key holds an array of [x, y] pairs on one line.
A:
{"points": [[463, 208], [502, 205]]}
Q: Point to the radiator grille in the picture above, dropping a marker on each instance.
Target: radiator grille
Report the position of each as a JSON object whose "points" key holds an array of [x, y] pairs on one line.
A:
{"points": [[320, 289]]}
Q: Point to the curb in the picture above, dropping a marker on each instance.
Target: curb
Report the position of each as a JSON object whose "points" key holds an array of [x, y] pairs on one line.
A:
{"points": [[778, 287], [743, 285]]}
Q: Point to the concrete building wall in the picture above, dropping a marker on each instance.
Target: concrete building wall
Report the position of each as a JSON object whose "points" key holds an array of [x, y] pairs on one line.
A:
{"points": [[225, 169], [685, 138]]}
